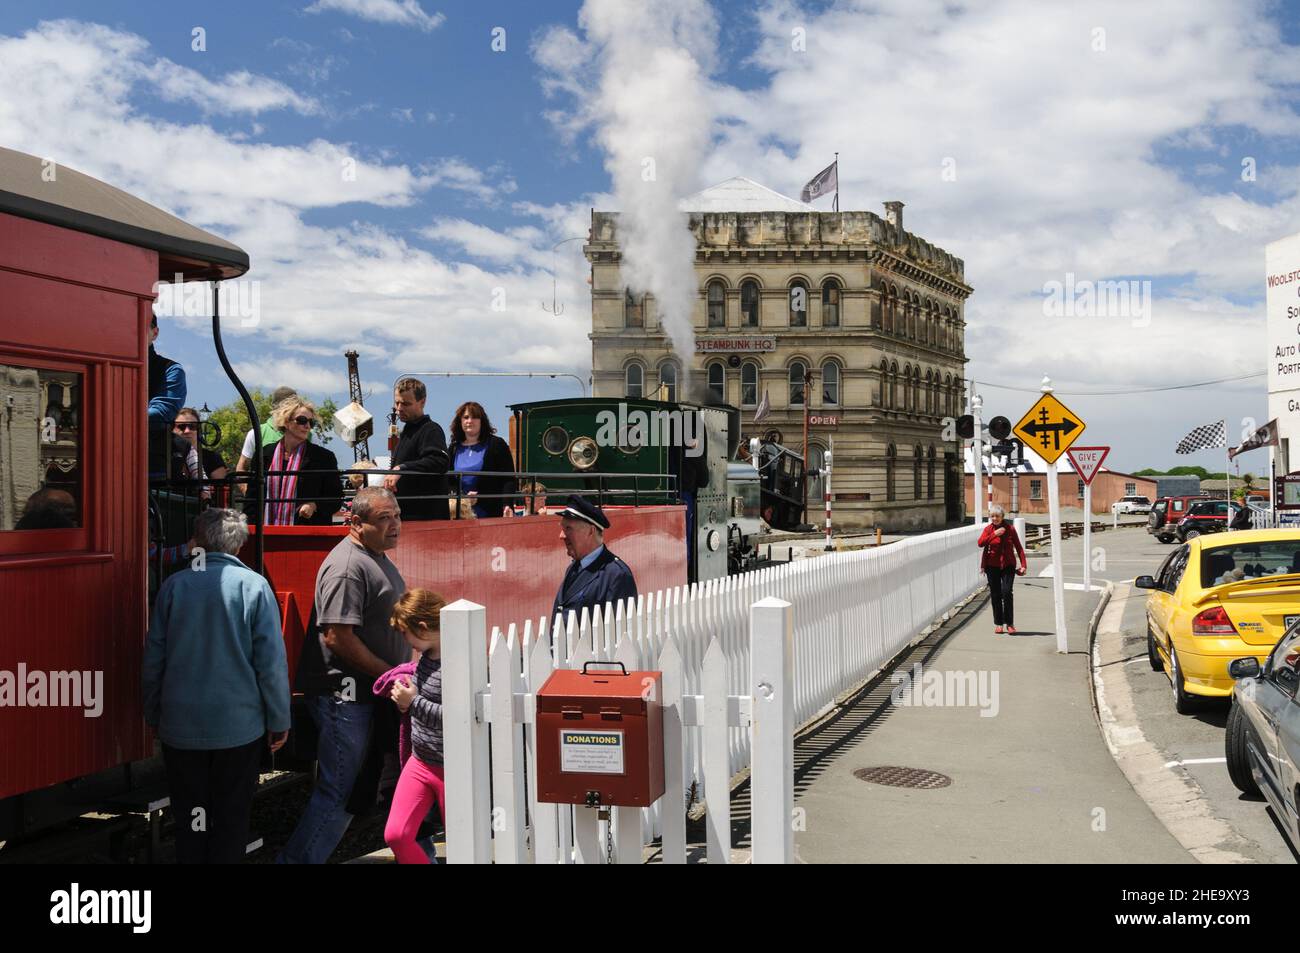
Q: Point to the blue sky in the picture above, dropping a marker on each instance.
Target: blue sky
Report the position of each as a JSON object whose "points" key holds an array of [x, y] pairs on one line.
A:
{"points": [[1117, 162]]}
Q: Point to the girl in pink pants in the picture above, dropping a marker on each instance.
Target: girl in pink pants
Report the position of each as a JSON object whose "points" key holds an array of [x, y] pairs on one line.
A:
{"points": [[421, 785]]}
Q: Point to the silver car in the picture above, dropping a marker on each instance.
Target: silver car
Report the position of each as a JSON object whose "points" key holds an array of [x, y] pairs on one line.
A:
{"points": [[1262, 742]]}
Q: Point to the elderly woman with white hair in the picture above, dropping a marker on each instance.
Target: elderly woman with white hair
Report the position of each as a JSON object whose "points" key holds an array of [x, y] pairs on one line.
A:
{"points": [[216, 688], [1000, 545]]}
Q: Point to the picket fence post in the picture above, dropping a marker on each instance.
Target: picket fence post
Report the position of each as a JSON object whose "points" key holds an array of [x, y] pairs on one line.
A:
{"points": [[771, 633], [465, 739]]}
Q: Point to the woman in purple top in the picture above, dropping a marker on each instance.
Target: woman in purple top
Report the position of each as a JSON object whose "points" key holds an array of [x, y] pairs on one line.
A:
{"points": [[475, 448]]}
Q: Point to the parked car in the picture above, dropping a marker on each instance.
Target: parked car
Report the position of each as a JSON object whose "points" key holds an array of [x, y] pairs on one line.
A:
{"points": [[1215, 600], [1204, 517], [1131, 504], [1165, 514], [1262, 741]]}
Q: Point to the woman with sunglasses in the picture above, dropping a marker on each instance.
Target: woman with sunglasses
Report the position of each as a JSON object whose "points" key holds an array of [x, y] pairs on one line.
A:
{"points": [[188, 426], [303, 484]]}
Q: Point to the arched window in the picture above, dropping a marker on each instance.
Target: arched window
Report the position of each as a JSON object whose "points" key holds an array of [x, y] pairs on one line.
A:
{"points": [[916, 390], [749, 303], [667, 382], [891, 458], [717, 305], [916, 472], [830, 384], [929, 391], [893, 385], [633, 309], [907, 389], [830, 303], [798, 371], [929, 474], [635, 378], [749, 384], [891, 303], [718, 381], [884, 383], [798, 304]]}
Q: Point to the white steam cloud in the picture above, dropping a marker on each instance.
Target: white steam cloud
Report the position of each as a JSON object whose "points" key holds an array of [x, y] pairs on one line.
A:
{"points": [[651, 108]]}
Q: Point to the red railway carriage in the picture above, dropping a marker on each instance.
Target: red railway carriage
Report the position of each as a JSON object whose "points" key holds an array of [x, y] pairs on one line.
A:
{"points": [[79, 261]]}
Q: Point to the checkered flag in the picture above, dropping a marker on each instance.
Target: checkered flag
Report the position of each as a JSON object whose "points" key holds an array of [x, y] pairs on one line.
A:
{"points": [[1207, 437]]}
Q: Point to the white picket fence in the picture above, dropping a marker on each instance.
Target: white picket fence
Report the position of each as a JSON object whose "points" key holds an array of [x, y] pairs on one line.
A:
{"points": [[722, 647]]}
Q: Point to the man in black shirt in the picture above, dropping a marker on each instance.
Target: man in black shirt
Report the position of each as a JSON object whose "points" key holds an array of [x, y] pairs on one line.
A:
{"points": [[421, 456]]}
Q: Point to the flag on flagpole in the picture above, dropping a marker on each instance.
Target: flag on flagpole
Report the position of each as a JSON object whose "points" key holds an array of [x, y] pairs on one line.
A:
{"points": [[825, 181], [1207, 437], [764, 407], [1265, 436]]}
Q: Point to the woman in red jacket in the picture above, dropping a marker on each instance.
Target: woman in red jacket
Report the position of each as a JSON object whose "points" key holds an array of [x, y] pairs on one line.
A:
{"points": [[1001, 545]]}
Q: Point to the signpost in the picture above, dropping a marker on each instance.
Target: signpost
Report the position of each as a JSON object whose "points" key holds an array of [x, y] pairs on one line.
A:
{"points": [[1050, 428], [1087, 463]]}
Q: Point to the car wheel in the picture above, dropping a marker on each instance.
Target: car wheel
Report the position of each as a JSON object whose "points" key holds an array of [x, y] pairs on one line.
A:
{"points": [[1234, 748], [1166, 539], [1184, 702], [1153, 654], [1191, 534]]}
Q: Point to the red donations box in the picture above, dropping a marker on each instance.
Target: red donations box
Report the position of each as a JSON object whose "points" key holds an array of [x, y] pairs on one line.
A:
{"points": [[600, 737]]}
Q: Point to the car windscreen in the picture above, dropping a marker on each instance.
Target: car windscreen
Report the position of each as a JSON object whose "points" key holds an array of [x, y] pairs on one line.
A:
{"points": [[1232, 563]]}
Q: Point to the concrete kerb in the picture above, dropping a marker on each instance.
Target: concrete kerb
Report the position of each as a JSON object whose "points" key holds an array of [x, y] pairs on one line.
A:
{"points": [[1172, 795]]}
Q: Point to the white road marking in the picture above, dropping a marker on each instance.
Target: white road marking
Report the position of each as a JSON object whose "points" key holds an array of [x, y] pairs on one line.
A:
{"points": [[1175, 764]]}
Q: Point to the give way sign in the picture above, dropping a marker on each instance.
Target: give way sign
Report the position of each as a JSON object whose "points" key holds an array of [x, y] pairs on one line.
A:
{"points": [[1087, 461]]}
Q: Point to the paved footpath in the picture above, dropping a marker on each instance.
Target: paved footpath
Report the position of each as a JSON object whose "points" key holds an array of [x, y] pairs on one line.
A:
{"points": [[1034, 783]]}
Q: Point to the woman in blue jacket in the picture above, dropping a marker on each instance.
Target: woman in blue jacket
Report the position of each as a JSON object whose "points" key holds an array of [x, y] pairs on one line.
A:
{"points": [[216, 689]]}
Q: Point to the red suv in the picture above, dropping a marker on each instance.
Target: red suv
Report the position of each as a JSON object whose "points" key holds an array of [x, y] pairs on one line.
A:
{"points": [[1166, 513]]}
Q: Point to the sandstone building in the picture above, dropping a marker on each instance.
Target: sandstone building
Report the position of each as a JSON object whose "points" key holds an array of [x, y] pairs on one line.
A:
{"points": [[867, 314]]}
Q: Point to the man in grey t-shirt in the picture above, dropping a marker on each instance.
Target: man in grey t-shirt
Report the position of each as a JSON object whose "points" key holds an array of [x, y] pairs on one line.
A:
{"points": [[356, 589]]}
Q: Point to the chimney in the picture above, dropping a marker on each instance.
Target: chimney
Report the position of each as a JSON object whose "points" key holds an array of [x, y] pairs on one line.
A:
{"points": [[894, 216]]}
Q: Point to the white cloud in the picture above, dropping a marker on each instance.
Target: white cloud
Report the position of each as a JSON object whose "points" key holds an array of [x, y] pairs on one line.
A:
{"points": [[396, 12], [71, 92]]}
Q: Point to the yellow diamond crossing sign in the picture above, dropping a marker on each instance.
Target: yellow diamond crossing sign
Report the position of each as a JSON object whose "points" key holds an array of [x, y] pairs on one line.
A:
{"points": [[1049, 428]]}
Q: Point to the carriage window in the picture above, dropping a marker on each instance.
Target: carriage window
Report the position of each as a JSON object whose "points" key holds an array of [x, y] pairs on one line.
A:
{"points": [[40, 448]]}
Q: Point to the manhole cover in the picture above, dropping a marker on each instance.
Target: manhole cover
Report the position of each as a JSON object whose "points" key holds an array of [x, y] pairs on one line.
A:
{"points": [[896, 777]]}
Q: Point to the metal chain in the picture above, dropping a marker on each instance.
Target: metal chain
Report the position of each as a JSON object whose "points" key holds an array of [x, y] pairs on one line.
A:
{"points": [[609, 841]]}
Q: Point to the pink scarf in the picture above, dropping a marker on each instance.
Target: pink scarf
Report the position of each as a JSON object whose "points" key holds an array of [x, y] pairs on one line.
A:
{"points": [[280, 488]]}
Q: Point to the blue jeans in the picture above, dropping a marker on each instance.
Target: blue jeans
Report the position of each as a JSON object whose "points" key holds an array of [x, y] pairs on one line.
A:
{"points": [[344, 729]]}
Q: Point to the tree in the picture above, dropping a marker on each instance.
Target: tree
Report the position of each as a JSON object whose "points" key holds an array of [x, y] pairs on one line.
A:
{"points": [[232, 419]]}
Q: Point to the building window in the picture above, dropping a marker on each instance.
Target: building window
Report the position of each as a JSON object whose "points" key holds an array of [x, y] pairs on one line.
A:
{"points": [[40, 455], [891, 305], [798, 371], [830, 304], [749, 304], [929, 474], [749, 384], [798, 305], [884, 383], [893, 385], [929, 391], [1130, 489], [830, 384], [916, 472], [667, 382], [891, 456], [1080, 489], [718, 381], [1035, 489], [633, 309], [717, 305], [635, 375]]}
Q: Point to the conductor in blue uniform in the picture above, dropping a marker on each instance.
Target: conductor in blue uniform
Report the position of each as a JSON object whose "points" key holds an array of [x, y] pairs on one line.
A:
{"points": [[596, 575]]}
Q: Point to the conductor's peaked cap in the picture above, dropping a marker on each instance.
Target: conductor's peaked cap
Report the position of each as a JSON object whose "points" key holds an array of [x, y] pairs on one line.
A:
{"points": [[580, 509]]}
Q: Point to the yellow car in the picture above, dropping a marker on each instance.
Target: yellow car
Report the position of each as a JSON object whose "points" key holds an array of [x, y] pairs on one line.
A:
{"points": [[1217, 598]]}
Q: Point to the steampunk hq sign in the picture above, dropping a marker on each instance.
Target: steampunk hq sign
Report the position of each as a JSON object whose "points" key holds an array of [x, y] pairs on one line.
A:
{"points": [[1049, 428]]}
